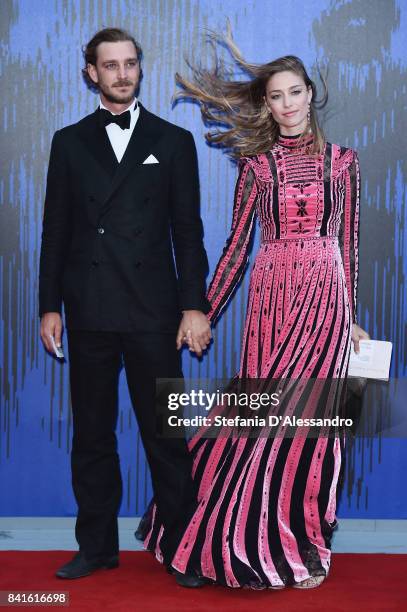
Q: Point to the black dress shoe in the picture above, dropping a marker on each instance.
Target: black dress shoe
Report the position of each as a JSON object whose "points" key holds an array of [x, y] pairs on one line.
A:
{"points": [[142, 529], [79, 566], [145, 523], [191, 581]]}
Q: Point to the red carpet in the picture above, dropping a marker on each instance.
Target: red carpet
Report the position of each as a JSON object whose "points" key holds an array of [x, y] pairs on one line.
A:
{"points": [[364, 583]]}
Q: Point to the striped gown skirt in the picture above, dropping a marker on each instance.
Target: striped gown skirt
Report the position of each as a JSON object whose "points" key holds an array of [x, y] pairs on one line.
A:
{"points": [[266, 504]]}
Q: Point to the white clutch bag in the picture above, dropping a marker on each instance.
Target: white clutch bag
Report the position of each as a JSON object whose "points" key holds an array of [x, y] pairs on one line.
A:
{"points": [[373, 361]]}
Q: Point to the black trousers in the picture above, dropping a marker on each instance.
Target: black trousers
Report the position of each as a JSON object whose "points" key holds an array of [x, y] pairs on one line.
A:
{"points": [[96, 359]]}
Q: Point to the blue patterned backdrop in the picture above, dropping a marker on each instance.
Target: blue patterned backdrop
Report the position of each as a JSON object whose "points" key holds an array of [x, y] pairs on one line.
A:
{"points": [[362, 43]]}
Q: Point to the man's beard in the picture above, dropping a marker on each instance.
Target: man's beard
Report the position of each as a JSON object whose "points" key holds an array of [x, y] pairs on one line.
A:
{"points": [[117, 98]]}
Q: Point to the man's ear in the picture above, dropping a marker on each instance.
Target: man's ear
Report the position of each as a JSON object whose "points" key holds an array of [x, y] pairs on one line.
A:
{"points": [[92, 72]]}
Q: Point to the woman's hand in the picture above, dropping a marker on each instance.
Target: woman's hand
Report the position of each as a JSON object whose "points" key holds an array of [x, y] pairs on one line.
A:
{"points": [[358, 334]]}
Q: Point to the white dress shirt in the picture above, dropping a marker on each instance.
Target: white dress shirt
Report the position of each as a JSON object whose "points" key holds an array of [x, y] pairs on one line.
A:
{"points": [[119, 139]]}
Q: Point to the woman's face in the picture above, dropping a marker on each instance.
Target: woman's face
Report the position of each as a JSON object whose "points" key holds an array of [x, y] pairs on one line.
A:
{"points": [[287, 98]]}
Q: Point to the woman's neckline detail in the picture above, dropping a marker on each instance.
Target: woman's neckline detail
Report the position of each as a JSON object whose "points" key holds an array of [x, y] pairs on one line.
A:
{"points": [[292, 142]]}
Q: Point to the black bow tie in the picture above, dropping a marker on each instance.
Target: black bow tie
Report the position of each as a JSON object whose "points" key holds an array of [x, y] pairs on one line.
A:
{"points": [[122, 120]]}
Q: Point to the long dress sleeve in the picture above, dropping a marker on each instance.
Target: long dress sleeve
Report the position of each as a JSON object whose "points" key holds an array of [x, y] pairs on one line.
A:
{"points": [[348, 235], [234, 258]]}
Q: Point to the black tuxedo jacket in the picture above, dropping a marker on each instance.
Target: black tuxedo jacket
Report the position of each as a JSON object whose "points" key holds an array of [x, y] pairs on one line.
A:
{"points": [[111, 230]]}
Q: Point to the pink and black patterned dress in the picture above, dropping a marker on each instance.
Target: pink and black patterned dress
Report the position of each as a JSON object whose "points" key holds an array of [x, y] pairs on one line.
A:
{"points": [[266, 506]]}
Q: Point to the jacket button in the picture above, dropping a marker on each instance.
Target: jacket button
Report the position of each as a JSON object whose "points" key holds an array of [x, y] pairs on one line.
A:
{"points": [[95, 263], [138, 264], [101, 230]]}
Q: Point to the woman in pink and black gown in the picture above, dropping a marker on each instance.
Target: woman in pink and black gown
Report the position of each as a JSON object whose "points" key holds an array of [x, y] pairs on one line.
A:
{"points": [[266, 505]]}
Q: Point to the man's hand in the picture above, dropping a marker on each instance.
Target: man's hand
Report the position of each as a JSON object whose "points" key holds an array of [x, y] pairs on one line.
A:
{"points": [[358, 334], [51, 325], [195, 331]]}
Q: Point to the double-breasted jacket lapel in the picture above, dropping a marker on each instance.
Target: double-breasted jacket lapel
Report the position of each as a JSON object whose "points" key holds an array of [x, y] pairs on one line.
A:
{"points": [[97, 142], [144, 136]]}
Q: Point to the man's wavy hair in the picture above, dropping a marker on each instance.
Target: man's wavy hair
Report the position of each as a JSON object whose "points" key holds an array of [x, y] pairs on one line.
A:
{"points": [[106, 35], [239, 105]]}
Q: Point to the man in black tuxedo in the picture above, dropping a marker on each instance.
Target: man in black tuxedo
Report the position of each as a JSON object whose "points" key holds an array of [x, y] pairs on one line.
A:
{"points": [[122, 200]]}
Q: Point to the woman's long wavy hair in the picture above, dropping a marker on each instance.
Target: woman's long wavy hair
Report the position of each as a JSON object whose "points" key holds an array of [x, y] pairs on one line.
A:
{"points": [[240, 105]]}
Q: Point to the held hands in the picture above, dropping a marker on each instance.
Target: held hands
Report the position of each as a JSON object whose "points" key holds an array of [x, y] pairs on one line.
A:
{"points": [[51, 325], [358, 334], [195, 331]]}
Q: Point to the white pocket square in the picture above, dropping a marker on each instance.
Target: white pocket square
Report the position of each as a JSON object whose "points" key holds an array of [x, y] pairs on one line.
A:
{"points": [[151, 160]]}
